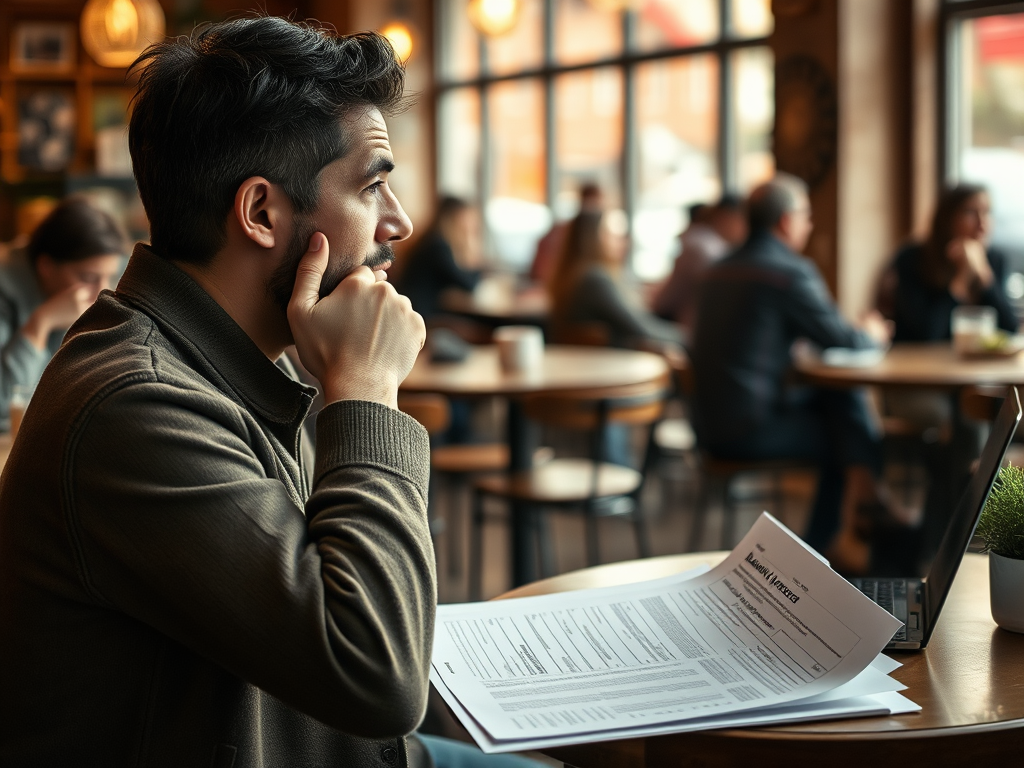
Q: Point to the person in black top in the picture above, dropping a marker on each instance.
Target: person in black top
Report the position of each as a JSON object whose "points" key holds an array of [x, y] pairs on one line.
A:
{"points": [[753, 305], [445, 257], [953, 266]]}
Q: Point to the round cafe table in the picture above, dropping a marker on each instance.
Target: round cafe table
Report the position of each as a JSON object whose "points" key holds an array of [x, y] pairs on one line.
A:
{"points": [[933, 365], [564, 369], [525, 307], [969, 682]]}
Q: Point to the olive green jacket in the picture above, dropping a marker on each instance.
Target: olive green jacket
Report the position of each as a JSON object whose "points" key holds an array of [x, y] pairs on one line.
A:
{"points": [[172, 593]]}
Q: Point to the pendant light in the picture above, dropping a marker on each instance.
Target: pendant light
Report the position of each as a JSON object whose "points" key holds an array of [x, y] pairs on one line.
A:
{"points": [[115, 32], [617, 6], [400, 36], [493, 17]]}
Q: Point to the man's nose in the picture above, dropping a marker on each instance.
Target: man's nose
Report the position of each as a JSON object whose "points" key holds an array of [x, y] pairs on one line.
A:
{"points": [[395, 225]]}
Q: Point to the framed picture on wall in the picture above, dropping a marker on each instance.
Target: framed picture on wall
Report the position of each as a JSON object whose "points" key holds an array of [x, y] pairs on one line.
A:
{"points": [[43, 46], [46, 129]]}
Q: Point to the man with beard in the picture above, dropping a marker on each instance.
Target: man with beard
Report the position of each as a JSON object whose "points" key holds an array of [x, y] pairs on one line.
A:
{"points": [[175, 588]]}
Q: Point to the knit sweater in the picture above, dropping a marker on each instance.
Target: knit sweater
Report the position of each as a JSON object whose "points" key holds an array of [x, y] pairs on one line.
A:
{"points": [[172, 593]]}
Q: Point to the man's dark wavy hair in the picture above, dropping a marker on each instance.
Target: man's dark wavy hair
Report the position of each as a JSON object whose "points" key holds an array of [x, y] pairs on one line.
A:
{"points": [[250, 97]]}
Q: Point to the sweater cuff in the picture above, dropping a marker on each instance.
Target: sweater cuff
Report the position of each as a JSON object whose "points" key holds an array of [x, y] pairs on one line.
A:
{"points": [[367, 433]]}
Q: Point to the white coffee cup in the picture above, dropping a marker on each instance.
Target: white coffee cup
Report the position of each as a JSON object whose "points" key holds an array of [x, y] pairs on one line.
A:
{"points": [[520, 348]]}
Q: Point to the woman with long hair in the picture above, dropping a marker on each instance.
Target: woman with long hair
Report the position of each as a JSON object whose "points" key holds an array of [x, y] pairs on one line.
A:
{"points": [[954, 266], [587, 289]]}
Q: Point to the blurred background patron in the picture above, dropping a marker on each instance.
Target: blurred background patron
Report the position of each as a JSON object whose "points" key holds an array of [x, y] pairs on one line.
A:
{"points": [[550, 247], [447, 256], [954, 266], [587, 290], [714, 230], [753, 305], [76, 252]]}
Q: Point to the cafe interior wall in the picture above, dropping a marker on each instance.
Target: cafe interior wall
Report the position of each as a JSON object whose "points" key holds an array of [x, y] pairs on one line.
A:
{"points": [[411, 131], [881, 184]]}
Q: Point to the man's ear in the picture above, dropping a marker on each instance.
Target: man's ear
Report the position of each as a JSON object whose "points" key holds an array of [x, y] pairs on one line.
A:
{"points": [[260, 211], [785, 226]]}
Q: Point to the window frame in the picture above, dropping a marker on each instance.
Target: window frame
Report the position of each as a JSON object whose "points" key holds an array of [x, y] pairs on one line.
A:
{"points": [[950, 110], [727, 43]]}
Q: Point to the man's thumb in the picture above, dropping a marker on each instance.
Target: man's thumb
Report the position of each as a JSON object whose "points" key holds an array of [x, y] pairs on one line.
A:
{"points": [[310, 272]]}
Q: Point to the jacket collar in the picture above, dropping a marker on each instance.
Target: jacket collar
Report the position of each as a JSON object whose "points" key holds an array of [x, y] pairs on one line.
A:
{"points": [[190, 317]]}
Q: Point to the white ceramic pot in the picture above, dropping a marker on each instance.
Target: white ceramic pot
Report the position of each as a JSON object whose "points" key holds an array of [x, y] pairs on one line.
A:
{"points": [[1006, 589]]}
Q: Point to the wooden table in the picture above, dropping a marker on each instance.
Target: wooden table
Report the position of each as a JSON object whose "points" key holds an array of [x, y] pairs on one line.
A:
{"points": [[6, 441], [933, 365], [969, 683], [524, 307], [565, 369]]}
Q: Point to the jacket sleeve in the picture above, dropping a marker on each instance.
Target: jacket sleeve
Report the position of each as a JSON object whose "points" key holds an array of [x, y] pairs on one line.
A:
{"points": [[813, 314], [20, 362], [602, 300], [176, 523], [995, 295]]}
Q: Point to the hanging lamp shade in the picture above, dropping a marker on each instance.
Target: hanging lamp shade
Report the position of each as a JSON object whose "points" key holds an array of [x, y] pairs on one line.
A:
{"points": [[493, 17], [115, 32], [400, 37]]}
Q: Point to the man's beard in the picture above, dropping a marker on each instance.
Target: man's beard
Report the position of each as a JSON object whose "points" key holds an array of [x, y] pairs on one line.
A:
{"points": [[282, 282]]}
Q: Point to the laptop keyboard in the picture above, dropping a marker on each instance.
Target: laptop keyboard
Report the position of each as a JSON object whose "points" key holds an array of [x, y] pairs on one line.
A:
{"points": [[891, 595]]}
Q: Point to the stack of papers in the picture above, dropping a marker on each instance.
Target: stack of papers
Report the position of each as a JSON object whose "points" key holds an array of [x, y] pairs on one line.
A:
{"points": [[771, 635]]}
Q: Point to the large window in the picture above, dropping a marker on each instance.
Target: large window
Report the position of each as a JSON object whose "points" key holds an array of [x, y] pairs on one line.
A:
{"points": [[984, 116], [665, 105]]}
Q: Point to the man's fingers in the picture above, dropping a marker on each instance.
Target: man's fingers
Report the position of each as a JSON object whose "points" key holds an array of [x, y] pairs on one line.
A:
{"points": [[310, 272]]}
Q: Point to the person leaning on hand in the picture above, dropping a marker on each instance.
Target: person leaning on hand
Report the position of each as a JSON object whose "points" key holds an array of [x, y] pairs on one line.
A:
{"points": [[75, 252], [954, 265], [178, 585]]}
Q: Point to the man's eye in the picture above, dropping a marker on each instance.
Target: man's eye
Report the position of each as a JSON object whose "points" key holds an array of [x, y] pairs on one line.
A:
{"points": [[375, 187]]}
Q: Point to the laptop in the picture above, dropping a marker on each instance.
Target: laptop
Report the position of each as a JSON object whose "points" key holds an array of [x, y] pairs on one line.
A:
{"points": [[917, 602]]}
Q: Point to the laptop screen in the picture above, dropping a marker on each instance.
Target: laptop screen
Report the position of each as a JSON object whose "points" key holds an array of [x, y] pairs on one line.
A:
{"points": [[968, 511]]}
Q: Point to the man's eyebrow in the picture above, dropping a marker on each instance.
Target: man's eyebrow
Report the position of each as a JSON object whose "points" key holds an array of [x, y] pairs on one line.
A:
{"points": [[380, 164]]}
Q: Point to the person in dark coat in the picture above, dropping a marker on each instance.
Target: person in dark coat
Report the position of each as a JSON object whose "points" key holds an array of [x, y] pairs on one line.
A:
{"points": [[753, 306]]}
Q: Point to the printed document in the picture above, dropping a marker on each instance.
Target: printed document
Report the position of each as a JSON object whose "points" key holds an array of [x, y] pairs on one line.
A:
{"points": [[770, 626]]}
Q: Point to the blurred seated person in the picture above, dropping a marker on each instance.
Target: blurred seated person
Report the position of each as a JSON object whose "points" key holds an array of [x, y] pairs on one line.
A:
{"points": [[587, 290], [954, 266], [75, 252], [550, 247], [446, 256], [714, 230], [753, 305]]}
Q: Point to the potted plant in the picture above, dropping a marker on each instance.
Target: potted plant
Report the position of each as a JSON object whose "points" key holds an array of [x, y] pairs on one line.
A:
{"points": [[1001, 527]]}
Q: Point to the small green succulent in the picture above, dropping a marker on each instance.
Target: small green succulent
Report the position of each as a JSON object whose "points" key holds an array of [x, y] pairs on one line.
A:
{"points": [[1002, 521]]}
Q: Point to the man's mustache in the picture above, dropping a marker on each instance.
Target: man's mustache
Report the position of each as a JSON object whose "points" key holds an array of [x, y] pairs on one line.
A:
{"points": [[382, 255]]}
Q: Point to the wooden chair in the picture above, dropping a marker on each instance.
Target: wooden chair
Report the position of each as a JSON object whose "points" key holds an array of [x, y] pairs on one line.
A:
{"points": [[718, 476], [591, 484], [450, 464]]}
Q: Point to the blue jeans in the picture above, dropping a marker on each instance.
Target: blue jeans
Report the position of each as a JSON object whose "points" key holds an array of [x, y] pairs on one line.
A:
{"points": [[447, 753]]}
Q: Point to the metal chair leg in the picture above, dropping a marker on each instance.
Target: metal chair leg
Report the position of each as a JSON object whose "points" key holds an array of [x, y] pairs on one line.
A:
{"points": [[476, 534], [593, 545], [778, 497], [643, 545], [700, 512], [729, 512]]}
